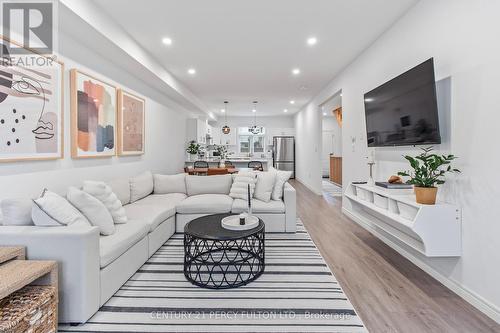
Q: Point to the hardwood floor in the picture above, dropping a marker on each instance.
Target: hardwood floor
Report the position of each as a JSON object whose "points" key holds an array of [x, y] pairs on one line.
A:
{"points": [[389, 292]]}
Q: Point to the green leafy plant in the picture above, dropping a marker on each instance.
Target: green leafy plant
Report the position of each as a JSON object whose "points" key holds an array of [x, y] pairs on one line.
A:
{"points": [[193, 148], [222, 150], [428, 168]]}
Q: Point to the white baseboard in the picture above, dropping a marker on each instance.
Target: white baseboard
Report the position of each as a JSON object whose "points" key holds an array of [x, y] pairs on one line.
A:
{"points": [[471, 297], [307, 185]]}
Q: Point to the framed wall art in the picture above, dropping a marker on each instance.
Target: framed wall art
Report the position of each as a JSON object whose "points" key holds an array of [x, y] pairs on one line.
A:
{"points": [[131, 124], [31, 106], [93, 116]]}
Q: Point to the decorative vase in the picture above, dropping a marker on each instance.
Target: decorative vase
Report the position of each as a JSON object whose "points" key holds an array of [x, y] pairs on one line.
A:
{"points": [[426, 195], [192, 157]]}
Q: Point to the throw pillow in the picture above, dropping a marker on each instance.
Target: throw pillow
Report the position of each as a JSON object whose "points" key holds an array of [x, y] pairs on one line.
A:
{"points": [[264, 186], [281, 178], [104, 194], [17, 211], [51, 210], [93, 209], [164, 184], [141, 186], [239, 189]]}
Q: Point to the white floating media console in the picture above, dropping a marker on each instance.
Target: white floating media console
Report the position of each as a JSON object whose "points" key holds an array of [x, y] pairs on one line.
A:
{"points": [[433, 230]]}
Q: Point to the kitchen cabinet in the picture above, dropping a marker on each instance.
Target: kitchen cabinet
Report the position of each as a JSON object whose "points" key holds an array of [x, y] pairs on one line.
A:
{"points": [[279, 131], [336, 169], [197, 130]]}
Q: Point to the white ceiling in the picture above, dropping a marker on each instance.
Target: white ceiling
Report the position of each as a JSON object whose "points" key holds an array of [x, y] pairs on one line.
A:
{"points": [[245, 50]]}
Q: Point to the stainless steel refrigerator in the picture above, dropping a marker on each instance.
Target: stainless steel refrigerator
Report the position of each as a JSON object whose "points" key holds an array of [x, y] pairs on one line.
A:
{"points": [[284, 153]]}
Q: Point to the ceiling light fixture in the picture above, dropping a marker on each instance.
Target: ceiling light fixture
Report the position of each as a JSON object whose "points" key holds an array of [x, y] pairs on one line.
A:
{"points": [[222, 110], [292, 102], [225, 129], [255, 129], [295, 71], [167, 41], [285, 110], [324, 113], [192, 71], [312, 41]]}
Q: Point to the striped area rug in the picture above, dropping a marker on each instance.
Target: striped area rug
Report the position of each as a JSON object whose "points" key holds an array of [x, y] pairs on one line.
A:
{"points": [[296, 293]]}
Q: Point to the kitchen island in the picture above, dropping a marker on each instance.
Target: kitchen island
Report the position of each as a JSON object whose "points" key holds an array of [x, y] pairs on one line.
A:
{"points": [[238, 162]]}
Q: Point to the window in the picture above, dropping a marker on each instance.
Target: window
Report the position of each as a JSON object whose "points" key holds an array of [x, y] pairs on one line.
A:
{"points": [[249, 143]]}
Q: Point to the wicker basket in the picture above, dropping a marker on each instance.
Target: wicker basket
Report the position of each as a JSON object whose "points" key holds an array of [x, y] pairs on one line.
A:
{"points": [[32, 309]]}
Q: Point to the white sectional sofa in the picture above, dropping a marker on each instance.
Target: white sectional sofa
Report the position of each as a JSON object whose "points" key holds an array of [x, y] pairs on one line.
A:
{"points": [[93, 267]]}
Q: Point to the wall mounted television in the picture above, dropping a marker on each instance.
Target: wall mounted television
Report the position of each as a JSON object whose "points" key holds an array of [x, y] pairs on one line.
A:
{"points": [[403, 111]]}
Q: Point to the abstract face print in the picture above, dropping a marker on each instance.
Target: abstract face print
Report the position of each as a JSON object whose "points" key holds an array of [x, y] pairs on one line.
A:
{"points": [[30, 109]]}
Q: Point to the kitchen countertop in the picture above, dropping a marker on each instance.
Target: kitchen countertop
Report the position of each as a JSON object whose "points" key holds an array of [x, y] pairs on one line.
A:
{"points": [[234, 160]]}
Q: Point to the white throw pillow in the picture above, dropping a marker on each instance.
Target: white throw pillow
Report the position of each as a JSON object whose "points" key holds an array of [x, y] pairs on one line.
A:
{"points": [[141, 186], [105, 195], [164, 184], [17, 211], [52, 209], [281, 178], [239, 189], [93, 209], [264, 186]]}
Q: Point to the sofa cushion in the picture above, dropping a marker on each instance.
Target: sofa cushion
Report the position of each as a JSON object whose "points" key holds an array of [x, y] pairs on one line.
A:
{"points": [[259, 206], [219, 184], [125, 236], [164, 184], [16, 211], [154, 209], [141, 186], [205, 203], [121, 187]]}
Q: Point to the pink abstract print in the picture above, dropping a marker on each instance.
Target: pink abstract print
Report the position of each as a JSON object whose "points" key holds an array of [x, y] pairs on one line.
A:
{"points": [[132, 124]]}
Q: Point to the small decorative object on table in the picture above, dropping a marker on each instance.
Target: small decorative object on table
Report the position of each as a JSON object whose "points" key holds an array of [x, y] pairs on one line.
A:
{"points": [[249, 202], [428, 171], [242, 218]]}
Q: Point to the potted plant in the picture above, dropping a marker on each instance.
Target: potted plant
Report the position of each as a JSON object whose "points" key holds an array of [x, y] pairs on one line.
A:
{"points": [[428, 171], [193, 150]]}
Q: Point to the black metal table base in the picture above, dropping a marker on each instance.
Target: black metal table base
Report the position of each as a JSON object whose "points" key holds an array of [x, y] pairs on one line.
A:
{"points": [[224, 264]]}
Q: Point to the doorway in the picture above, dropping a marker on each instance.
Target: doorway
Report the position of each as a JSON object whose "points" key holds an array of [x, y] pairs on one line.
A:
{"points": [[331, 145]]}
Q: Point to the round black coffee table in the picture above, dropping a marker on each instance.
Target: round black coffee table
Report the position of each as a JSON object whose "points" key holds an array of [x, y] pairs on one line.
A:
{"points": [[217, 258]]}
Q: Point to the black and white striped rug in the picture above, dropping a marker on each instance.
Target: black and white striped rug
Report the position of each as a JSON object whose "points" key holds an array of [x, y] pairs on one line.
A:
{"points": [[296, 293]]}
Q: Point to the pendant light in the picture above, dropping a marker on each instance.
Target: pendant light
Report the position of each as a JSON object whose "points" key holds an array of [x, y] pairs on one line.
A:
{"points": [[225, 128], [255, 129]]}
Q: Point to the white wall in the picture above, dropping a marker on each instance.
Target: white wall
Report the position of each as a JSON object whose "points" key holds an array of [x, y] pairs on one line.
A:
{"points": [[164, 142], [462, 36]]}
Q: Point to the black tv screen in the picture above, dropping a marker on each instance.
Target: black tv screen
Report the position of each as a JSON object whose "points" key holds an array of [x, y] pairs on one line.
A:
{"points": [[403, 111]]}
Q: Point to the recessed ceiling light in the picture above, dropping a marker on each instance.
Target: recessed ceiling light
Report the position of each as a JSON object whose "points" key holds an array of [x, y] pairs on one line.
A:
{"points": [[192, 71], [253, 110], [167, 41], [222, 110], [292, 102], [324, 113], [312, 41], [295, 71], [285, 110], [340, 95]]}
